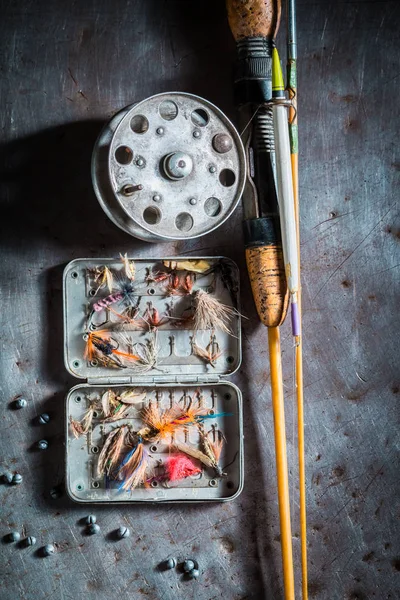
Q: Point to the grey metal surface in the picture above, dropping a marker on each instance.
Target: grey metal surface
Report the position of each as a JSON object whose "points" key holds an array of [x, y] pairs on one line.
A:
{"points": [[66, 69]]}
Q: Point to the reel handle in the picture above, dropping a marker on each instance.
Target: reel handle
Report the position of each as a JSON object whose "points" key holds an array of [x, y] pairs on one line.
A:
{"points": [[253, 18]]}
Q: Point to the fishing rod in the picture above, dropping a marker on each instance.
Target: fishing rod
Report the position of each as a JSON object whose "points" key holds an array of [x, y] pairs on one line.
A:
{"points": [[291, 79], [254, 25], [271, 220]]}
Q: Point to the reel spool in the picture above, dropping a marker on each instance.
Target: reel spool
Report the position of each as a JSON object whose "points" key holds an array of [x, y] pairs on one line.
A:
{"points": [[171, 167]]}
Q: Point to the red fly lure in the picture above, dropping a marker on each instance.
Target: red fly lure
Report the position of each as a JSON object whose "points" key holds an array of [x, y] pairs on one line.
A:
{"points": [[152, 317]]}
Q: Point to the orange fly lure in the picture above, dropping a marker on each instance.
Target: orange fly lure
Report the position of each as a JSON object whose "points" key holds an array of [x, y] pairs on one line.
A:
{"points": [[101, 343], [161, 424]]}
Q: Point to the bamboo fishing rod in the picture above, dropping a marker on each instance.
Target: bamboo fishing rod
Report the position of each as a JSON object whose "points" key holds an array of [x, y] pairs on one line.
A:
{"points": [[254, 24], [294, 151]]}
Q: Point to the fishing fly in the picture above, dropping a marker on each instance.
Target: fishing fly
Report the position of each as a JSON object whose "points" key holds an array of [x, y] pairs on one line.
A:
{"points": [[210, 313], [129, 267], [210, 354], [101, 343], [103, 277]]}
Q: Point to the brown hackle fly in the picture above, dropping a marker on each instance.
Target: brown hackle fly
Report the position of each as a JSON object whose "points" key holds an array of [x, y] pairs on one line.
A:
{"points": [[210, 354], [210, 313]]}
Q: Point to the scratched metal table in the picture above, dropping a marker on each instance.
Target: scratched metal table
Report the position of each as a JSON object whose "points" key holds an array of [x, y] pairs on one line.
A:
{"points": [[66, 68]]}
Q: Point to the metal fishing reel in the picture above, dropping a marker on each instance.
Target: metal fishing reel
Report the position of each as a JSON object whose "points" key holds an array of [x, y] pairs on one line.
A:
{"points": [[171, 167]]}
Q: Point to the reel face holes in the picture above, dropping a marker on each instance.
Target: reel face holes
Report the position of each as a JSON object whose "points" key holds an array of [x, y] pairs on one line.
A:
{"points": [[213, 483], [74, 275], [76, 364], [152, 215], [168, 110], [184, 222], [123, 155], [162, 155], [212, 207], [200, 117], [227, 177], [139, 124]]}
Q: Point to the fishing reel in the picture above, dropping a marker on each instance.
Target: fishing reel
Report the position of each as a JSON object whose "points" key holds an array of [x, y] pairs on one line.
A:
{"points": [[171, 167]]}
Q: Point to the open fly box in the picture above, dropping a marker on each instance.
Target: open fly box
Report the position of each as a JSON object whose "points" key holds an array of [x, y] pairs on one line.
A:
{"points": [[154, 419]]}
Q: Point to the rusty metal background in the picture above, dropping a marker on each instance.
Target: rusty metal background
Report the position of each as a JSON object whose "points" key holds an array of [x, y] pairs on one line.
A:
{"points": [[66, 68]]}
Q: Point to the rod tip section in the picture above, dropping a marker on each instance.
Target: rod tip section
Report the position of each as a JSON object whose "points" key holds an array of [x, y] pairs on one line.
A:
{"points": [[295, 315]]}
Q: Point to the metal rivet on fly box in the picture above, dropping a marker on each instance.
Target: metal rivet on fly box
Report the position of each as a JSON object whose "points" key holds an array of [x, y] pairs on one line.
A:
{"points": [[90, 519], [30, 541], [222, 143], [188, 565], [122, 532], [13, 536], [160, 130], [48, 550], [213, 169], [196, 133], [93, 528], [140, 162], [44, 419], [43, 444], [192, 201], [20, 403], [157, 198], [7, 477], [17, 478]]}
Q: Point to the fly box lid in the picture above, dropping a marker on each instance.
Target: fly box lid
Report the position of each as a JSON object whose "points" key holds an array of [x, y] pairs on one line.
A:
{"points": [[153, 420]]}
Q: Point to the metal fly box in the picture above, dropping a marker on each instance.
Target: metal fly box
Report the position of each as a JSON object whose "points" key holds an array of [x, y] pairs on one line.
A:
{"points": [[154, 420]]}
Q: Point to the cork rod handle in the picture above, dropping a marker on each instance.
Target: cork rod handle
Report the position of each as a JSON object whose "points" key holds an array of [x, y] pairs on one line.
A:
{"points": [[268, 283], [253, 18]]}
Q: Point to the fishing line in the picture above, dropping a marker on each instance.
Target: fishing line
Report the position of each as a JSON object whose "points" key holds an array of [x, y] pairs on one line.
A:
{"points": [[248, 123]]}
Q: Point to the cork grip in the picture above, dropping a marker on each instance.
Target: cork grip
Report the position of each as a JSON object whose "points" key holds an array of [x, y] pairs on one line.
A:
{"points": [[268, 283], [253, 18]]}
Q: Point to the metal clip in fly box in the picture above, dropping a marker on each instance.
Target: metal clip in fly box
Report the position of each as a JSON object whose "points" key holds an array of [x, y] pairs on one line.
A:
{"points": [[154, 419]]}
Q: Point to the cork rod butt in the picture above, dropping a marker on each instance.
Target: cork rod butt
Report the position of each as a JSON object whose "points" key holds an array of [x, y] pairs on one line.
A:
{"points": [[253, 18], [268, 283]]}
